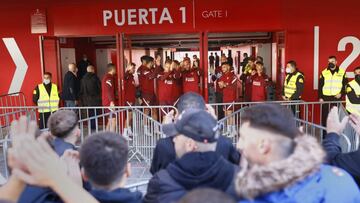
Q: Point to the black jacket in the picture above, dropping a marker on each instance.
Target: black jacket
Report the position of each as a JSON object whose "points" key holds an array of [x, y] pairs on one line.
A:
{"points": [[90, 90], [193, 170], [71, 87], [350, 162], [120, 195], [164, 153], [82, 66]]}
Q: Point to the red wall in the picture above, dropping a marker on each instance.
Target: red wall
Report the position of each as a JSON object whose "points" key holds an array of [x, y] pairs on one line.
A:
{"points": [[15, 23], [296, 18]]}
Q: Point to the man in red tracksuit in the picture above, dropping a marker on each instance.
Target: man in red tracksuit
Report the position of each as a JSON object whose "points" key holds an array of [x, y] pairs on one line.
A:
{"points": [[177, 87], [108, 88], [228, 84], [259, 83], [129, 85], [147, 74], [165, 83], [191, 77], [245, 77]]}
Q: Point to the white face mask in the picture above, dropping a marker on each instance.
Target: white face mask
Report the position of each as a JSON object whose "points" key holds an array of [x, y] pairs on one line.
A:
{"points": [[288, 70], [46, 81]]}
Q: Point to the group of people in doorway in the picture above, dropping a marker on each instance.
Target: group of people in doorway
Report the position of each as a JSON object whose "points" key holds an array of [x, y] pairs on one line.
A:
{"points": [[163, 84]]}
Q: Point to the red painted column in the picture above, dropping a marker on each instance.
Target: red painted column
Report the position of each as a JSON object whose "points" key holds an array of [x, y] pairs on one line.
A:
{"points": [[120, 67], [204, 64]]}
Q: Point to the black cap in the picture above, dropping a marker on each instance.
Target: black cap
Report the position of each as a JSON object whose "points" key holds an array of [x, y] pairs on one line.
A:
{"points": [[196, 124]]}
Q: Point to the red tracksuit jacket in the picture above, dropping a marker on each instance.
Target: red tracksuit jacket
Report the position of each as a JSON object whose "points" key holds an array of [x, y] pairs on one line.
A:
{"points": [[130, 88], [258, 87], [191, 81], [146, 81], [165, 83], [108, 89], [229, 92]]}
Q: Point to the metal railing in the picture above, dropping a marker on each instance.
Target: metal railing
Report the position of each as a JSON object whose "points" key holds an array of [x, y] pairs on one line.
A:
{"points": [[139, 186], [349, 131], [142, 124]]}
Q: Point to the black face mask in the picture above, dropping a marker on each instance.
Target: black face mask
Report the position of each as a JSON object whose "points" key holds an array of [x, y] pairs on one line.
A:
{"points": [[357, 77], [331, 66]]}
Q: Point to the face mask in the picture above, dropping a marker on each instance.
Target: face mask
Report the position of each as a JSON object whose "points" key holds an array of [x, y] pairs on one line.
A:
{"points": [[288, 70], [85, 59], [46, 81], [331, 66]]}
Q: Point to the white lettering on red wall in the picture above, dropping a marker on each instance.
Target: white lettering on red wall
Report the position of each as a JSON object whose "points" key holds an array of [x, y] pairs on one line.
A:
{"points": [[214, 14], [141, 16]]}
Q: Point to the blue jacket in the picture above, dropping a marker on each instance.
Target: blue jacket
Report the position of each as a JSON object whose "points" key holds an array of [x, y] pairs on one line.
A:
{"points": [[191, 171], [120, 195], [164, 153], [328, 185], [34, 194], [350, 162]]}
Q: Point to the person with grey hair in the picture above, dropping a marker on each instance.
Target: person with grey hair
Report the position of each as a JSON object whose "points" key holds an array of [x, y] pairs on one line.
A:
{"points": [[63, 126], [195, 134], [71, 86]]}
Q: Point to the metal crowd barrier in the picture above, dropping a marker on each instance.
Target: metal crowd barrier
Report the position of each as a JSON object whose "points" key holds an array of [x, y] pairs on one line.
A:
{"points": [[317, 131], [146, 132], [230, 125], [13, 99], [140, 186], [349, 131], [142, 124]]}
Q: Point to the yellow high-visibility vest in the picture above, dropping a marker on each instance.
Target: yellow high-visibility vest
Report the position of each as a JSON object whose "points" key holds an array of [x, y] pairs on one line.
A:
{"points": [[290, 87], [332, 83], [350, 107], [48, 103]]}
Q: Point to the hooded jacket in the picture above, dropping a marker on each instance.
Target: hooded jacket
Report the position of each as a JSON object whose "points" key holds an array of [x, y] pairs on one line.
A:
{"points": [[120, 195], [164, 153], [193, 170], [300, 178]]}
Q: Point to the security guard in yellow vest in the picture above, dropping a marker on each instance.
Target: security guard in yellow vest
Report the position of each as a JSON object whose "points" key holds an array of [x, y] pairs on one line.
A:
{"points": [[353, 94], [46, 97], [294, 83], [332, 85]]}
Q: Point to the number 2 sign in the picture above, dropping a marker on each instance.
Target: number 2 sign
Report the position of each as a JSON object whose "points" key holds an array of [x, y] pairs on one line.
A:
{"points": [[341, 47]]}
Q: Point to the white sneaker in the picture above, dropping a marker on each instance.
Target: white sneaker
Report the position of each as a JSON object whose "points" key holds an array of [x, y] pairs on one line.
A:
{"points": [[127, 134]]}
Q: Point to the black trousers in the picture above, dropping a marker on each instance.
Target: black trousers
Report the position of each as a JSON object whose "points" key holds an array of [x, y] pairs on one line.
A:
{"points": [[43, 118], [220, 110]]}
